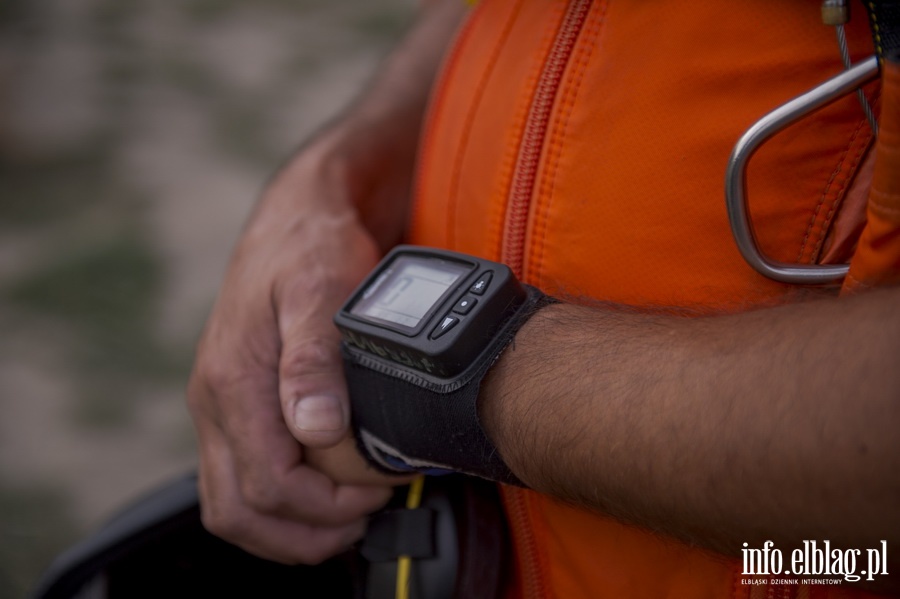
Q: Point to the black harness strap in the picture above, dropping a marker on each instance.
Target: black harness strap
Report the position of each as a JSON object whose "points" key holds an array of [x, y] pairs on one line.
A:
{"points": [[884, 19]]}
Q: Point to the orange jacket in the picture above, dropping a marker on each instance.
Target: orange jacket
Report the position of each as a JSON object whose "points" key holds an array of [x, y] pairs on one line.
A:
{"points": [[585, 144]]}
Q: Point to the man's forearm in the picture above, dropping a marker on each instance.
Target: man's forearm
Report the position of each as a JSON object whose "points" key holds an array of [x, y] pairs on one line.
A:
{"points": [[777, 424]]}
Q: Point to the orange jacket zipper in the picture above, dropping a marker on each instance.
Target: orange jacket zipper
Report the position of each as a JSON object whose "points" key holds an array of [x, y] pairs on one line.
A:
{"points": [[533, 576], [528, 159]]}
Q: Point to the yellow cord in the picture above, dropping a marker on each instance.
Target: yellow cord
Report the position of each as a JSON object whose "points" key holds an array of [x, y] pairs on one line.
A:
{"points": [[414, 496], [404, 563]]}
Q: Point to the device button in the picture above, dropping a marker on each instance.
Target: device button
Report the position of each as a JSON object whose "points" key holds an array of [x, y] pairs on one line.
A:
{"points": [[482, 283], [465, 305], [445, 325]]}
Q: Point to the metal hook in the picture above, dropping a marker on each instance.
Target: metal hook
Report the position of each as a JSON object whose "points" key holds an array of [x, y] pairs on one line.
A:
{"points": [[736, 174]]}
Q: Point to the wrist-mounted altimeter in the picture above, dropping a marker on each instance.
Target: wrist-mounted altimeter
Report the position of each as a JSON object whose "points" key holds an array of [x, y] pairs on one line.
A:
{"points": [[419, 334]]}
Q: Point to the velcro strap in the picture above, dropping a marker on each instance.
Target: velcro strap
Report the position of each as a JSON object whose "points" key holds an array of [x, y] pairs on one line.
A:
{"points": [[405, 421]]}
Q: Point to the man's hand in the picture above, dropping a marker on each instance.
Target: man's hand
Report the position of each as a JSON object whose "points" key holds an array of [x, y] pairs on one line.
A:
{"points": [[267, 393], [268, 376]]}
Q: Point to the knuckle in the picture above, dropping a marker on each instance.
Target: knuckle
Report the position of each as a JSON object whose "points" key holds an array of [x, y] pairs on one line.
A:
{"points": [[234, 354], [198, 391], [193, 397], [215, 375], [262, 497]]}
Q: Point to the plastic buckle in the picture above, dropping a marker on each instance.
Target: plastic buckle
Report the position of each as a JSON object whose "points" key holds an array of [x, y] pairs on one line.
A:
{"points": [[736, 174]]}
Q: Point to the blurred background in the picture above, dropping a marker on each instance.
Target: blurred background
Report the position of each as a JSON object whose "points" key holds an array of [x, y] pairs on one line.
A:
{"points": [[134, 137]]}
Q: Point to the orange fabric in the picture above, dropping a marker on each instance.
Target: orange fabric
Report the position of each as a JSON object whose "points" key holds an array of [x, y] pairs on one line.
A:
{"points": [[877, 258], [655, 155], [627, 201]]}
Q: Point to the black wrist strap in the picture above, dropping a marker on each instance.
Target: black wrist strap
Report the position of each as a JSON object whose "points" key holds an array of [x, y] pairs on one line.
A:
{"points": [[405, 420]]}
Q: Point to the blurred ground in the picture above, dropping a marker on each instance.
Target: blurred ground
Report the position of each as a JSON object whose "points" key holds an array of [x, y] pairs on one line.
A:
{"points": [[134, 136]]}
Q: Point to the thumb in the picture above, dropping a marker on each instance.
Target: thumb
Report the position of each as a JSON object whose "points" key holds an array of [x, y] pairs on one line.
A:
{"points": [[311, 372], [312, 388]]}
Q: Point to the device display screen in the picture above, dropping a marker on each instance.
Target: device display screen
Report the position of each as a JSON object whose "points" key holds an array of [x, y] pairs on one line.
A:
{"points": [[408, 289]]}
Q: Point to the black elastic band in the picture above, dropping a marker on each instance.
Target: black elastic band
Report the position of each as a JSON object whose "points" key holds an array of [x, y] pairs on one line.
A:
{"points": [[404, 421]]}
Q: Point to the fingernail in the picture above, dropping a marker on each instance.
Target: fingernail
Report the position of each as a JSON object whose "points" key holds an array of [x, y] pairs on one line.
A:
{"points": [[319, 413]]}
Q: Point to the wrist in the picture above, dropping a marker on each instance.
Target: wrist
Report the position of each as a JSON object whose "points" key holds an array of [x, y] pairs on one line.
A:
{"points": [[511, 403], [349, 169]]}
